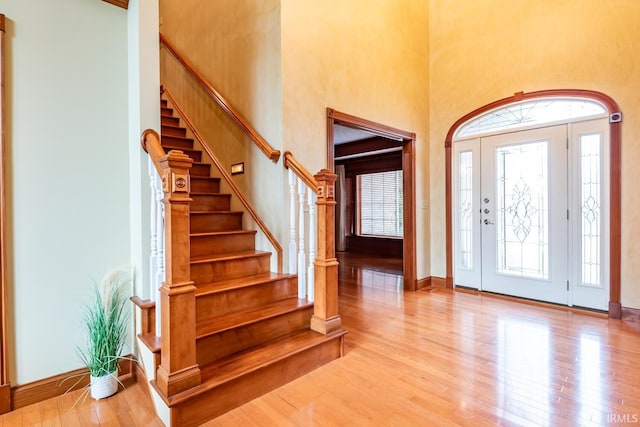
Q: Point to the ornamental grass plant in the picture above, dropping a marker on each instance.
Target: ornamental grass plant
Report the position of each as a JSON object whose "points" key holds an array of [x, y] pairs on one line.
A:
{"points": [[106, 322]]}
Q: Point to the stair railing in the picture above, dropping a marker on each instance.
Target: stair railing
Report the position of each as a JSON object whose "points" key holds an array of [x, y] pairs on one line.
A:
{"points": [[321, 282], [230, 182], [242, 123], [178, 370]]}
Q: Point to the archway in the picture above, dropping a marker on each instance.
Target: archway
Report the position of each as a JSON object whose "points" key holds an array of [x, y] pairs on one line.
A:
{"points": [[614, 179]]}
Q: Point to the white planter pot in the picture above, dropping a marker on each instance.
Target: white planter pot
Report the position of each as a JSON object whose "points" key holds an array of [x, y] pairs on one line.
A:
{"points": [[104, 386]]}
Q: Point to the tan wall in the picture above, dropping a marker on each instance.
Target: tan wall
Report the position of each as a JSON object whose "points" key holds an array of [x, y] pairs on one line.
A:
{"points": [[235, 44], [484, 50], [367, 58]]}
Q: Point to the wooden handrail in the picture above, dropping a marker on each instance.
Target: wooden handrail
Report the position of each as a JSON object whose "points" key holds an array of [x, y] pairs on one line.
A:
{"points": [[225, 175], [150, 141], [244, 125], [290, 162]]}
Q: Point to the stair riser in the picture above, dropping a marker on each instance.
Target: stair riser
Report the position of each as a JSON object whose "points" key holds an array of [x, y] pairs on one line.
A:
{"points": [[204, 185], [211, 202], [201, 169], [221, 303], [173, 131], [228, 396], [177, 142], [225, 343], [166, 111], [215, 271], [170, 121], [206, 223], [224, 243]]}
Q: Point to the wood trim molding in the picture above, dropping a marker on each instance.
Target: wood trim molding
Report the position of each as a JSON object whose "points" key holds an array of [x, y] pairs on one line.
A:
{"points": [[234, 114], [408, 141], [630, 314], [431, 282], [46, 388], [615, 309], [121, 3], [4, 351]]}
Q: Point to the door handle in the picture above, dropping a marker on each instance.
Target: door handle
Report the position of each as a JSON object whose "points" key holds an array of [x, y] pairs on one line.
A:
{"points": [[487, 222]]}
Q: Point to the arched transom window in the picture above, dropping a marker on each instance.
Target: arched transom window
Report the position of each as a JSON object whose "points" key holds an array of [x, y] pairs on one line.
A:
{"points": [[531, 113]]}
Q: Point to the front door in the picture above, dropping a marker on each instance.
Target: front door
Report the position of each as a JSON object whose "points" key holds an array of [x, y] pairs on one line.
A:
{"points": [[523, 214], [528, 213]]}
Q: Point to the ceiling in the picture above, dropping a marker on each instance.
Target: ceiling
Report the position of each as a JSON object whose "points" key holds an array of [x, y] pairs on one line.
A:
{"points": [[343, 134]]}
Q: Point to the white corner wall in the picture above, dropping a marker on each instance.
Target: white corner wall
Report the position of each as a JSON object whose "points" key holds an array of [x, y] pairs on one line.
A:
{"points": [[68, 172]]}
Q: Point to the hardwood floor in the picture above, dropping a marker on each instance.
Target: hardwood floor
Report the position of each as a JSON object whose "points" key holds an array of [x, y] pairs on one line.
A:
{"points": [[428, 358]]}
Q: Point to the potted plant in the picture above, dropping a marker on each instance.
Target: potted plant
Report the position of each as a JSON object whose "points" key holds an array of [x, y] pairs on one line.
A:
{"points": [[106, 323]]}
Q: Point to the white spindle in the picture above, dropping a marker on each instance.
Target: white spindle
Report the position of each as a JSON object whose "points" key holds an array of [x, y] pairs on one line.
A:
{"points": [[156, 262], [160, 275], [153, 259], [293, 248], [302, 264], [311, 203]]}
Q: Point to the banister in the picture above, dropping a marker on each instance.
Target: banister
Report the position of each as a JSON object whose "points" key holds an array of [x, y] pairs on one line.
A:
{"points": [[290, 162], [150, 141], [225, 175], [244, 125]]}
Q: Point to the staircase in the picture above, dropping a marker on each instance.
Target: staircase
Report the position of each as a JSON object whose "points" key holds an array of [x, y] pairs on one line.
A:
{"points": [[252, 331]]}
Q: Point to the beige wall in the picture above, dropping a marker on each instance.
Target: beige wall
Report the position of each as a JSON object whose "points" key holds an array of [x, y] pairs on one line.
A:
{"points": [[67, 159], [235, 44], [367, 58], [484, 50]]}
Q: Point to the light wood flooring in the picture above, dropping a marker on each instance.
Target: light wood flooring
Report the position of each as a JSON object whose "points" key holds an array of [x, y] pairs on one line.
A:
{"points": [[428, 358]]}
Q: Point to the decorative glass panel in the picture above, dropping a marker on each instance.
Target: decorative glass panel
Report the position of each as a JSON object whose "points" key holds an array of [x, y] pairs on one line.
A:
{"points": [[380, 204], [590, 203], [465, 210], [531, 113], [522, 210]]}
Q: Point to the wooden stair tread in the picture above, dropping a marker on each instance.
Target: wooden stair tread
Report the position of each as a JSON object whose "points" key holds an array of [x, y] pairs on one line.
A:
{"points": [[246, 317], [221, 233], [151, 341], [195, 193], [235, 366], [242, 282], [183, 138], [215, 212], [227, 256]]}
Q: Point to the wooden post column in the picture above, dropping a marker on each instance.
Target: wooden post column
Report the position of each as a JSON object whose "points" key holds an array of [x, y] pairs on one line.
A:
{"points": [[325, 317], [178, 370]]}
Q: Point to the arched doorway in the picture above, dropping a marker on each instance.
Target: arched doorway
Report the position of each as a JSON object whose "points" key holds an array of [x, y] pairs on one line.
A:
{"points": [[523, 147]]}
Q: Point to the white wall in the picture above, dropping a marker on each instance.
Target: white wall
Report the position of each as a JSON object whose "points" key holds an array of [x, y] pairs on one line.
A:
{"points": [[68, 172]]}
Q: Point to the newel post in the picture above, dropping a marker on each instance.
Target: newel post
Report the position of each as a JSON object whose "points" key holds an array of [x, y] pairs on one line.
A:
{"points": [[178, 368], [325, 317]]}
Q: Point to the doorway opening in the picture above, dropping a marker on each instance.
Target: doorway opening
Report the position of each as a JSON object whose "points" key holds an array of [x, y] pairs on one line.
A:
{"points": [[533, 199], [375, 190]]}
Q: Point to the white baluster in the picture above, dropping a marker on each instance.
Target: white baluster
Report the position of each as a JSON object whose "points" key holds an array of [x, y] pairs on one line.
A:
{"points": [[302, 264], [292, 222], [160, 275], [311, 203], [153, 258], [156, 261]]}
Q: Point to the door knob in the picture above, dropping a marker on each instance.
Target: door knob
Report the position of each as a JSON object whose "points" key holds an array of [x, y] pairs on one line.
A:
{"points": [[487, 211], [487, 222], [486, 200]]}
